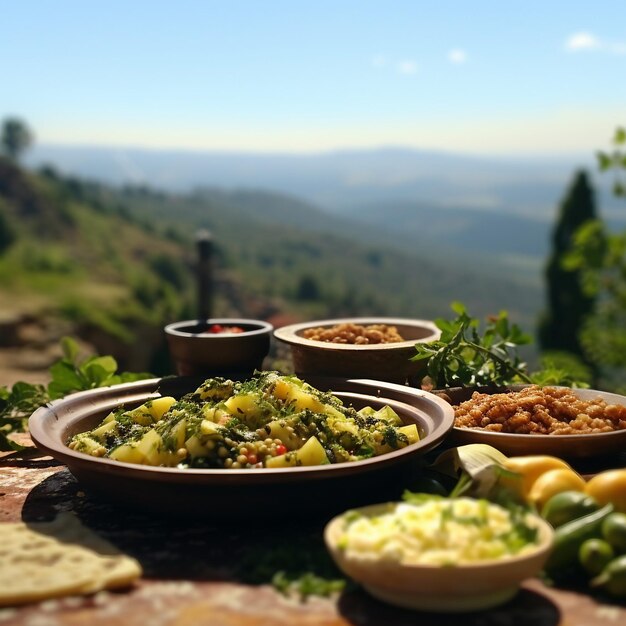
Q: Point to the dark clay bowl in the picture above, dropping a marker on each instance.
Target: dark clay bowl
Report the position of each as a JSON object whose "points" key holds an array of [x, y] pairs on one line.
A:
{"points": [[244, 494], [578, 446], [384, 361], [195, 351]]}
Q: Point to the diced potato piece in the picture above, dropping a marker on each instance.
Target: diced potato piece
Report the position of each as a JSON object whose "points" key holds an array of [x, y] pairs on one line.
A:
{"points": [[209, 428], [282, 389], [195, 447], [411, 433], [215, 414], [388, 415], [159, 406], [299, 397], [151, 445], [142, 415], [104, 429], [127, 453], [331, 411], [303, 400], [410, 430], [284, 460], [177, 434], [312, 453], [109, 418], [344, 425], [366, 411], [278, 430], [244, 405], [84, 443]]}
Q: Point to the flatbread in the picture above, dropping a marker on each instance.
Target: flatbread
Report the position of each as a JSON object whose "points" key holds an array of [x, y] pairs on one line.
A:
{"points": [[46, 560]]}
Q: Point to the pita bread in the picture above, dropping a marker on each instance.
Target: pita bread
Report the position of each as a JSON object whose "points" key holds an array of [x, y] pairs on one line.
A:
{"points": [[46, 560]]}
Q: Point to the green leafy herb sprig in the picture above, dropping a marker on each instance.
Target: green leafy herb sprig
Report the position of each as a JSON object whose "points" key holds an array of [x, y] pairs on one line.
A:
{"points": [[298, 566], [462, 357], [71, 373], [465, 357]]}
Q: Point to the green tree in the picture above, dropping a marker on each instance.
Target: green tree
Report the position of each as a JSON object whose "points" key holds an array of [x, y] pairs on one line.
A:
{"points": [[7, 232], [568, 303], [16, 137], [308, 288], [600, 256], [615, 160]]}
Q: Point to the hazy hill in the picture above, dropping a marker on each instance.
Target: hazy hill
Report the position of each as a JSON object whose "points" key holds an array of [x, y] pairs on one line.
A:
{"points": [[494, 214], [337, 181], [118, 262], [462, 229], [276, 242], [91, 264]]}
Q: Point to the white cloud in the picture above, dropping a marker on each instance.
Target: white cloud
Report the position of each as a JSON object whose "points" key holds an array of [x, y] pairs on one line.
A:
{"points": [[582, 41], [586, 41], [407, 67], [457, 56]]}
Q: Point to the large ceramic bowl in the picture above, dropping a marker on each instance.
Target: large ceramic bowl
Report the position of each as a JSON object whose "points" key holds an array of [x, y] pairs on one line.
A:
{"points": [[247, 494], [449, 589], [579, 446], [383, 361], [195, 350]]}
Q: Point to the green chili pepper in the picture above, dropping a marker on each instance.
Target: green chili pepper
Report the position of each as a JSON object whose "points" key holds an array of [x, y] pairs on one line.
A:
{"points": [[570, 536], [613, 578]]}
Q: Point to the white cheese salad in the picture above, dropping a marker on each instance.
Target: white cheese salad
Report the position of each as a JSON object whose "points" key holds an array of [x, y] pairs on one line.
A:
{"points": [[437, 531]]}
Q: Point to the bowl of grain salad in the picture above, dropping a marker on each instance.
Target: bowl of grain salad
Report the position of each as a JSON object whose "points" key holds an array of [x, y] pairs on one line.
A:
{"points": [[366, 347], [529, 419]]}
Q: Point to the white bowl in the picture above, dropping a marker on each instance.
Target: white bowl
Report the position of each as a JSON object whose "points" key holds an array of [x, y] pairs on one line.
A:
{"points": [[449, 589]]}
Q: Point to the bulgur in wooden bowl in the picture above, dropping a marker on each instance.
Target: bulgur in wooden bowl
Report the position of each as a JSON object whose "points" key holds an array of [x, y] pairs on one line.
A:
{"points": [[528, 419], [370, 347]]}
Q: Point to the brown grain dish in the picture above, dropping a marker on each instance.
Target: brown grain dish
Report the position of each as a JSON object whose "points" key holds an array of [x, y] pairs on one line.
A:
{"points": [[356, 334], [538, 410]]}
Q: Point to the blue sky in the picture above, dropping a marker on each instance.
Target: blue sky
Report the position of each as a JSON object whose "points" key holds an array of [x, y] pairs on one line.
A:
{"points": [[270, 75]]}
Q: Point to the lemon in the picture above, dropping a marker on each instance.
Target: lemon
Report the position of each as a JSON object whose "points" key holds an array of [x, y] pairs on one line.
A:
{"points": [[552, 482], [609, 486]]}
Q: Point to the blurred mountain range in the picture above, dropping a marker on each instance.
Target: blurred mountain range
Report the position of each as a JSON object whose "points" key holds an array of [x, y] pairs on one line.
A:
{"points": [[443, 203], [344, 181]]}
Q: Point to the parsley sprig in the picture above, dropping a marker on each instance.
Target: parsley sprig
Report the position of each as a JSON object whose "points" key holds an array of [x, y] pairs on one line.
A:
{"points": [[470, 355], [462, 357], [69, 374]]}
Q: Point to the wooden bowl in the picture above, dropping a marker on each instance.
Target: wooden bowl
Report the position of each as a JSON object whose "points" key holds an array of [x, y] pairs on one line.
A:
{"points": [[195, 351], [578, 446], [383, 361]]}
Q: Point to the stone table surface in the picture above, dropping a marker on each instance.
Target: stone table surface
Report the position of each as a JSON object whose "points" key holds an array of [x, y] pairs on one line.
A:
{"points": [[192, 574]]}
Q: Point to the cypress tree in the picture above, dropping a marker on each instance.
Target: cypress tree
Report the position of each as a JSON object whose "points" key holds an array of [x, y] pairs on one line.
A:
{"points": [[567, 303], [7, 232]]}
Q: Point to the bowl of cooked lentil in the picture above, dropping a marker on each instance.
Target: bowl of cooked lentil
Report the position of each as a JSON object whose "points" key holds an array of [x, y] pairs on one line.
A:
{"points": [[529, 419], [369, 347]]}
